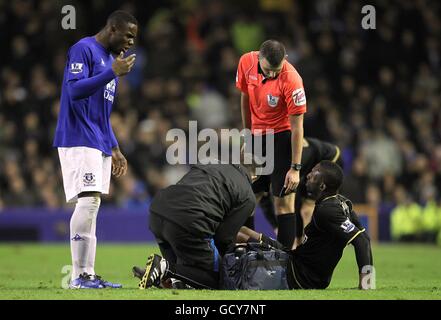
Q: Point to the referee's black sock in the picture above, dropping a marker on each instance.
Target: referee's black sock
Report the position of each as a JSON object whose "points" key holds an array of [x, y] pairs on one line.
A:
{"points": [[287, 229]]}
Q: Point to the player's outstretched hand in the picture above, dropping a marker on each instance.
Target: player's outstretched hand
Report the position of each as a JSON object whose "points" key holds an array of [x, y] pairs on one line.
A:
{"points": [[119, 163], [122, 66]]}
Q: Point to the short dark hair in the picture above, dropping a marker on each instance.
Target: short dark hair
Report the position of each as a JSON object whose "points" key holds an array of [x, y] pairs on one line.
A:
{"points": [[273, 51], [120, 18], [332, 175]]}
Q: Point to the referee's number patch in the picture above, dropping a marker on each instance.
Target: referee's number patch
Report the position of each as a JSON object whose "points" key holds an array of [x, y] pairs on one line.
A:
{"points": [[299, 97]]}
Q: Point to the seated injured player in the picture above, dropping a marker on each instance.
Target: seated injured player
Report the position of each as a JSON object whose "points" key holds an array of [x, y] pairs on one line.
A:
{"points": [[334, 225]]}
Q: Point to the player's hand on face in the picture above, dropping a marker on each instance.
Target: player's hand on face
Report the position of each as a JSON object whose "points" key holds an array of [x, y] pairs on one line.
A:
{"points": [[119, 163], [292, 180], [122, 66]]}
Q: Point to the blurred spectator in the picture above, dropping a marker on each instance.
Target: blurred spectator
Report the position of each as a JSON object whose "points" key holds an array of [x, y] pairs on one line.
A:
{"points": [[133, 194], [355, 184], [208, 107], [247, 34], [382, 156], [405, 217], [431, 221]]}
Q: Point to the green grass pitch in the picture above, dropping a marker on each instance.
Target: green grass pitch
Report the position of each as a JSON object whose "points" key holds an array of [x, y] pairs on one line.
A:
{"points": [[34, 271]]}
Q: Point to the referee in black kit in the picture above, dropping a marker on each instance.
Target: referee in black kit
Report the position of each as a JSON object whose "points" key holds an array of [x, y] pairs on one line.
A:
{"points": [[195, 222]]}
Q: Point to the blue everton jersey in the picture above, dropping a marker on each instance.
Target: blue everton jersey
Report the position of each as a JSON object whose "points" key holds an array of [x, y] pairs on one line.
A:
{"points": [[84, 118]]}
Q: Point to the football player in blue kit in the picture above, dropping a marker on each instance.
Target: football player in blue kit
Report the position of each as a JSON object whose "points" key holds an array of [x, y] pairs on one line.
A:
{"points": [[87, 147]]}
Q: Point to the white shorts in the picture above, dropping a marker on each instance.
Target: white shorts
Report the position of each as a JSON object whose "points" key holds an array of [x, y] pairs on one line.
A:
{"points": [[84, 169]]}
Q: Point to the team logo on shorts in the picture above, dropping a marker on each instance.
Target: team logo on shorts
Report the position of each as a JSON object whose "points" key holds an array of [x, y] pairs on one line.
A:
{"points": [[89, 179], [272, 100], [347, 226]]}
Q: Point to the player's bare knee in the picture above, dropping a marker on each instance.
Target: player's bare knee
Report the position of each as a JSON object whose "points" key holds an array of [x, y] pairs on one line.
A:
{"points": [[284, 205], [306, 211]]}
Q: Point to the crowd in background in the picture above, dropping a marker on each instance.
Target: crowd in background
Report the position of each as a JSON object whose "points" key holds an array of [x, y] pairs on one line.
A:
{"points": [[375, 93]]}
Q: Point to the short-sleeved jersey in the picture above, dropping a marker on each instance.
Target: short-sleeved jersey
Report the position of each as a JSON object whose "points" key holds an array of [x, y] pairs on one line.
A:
{"points": [[270, 100], [86, 122], [333, 226]]}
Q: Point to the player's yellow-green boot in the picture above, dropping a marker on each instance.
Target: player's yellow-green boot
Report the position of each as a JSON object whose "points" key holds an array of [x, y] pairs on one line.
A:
{"points": [[155, 268]]}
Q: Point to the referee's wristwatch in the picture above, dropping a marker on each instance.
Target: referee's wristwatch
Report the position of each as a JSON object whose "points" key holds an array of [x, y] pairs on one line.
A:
{"points": [[296, 166]]}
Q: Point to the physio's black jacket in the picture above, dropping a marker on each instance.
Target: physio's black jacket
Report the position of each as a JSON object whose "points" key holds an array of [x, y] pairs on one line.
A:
{"points": [[211, 200]]}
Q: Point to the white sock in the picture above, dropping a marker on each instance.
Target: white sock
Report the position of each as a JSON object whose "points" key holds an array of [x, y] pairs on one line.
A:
{"points": [[82, 239], [90, 266]]}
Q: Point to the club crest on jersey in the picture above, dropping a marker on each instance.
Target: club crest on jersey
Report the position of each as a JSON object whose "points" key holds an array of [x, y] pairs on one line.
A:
{"points": [[272, 100], [299, 97], [89, 179], [347, 226], [76, 68]]}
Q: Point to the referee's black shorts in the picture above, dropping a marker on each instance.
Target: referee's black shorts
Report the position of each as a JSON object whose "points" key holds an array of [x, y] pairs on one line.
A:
{"points": [[282, 164]]}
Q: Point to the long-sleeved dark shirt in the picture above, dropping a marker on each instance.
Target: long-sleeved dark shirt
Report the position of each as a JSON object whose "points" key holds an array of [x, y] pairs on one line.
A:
{"points": [[209, 201], [333, 226]]}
